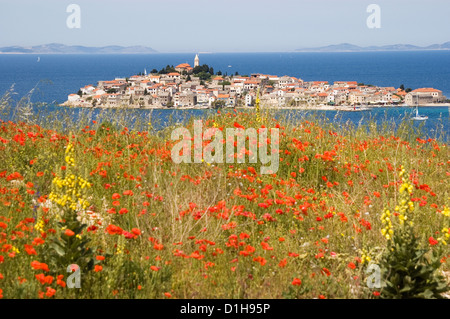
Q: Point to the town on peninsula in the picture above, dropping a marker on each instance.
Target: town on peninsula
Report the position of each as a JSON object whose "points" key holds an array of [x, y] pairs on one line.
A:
{"points": [[184, 86]]}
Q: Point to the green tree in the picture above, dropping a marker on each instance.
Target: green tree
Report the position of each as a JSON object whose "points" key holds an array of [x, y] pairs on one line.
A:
{"points": [[218, 104]]}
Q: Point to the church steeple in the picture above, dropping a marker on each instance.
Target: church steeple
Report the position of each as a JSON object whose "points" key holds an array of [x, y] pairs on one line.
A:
{"points": [[196, 61]]}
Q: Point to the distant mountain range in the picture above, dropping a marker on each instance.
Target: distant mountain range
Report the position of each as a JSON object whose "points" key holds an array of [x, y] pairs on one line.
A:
{"points": [[57, 48], [347, 47]]}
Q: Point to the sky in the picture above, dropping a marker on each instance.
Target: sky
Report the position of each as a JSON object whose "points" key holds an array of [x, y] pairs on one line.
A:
{"points": [[224, 26]]}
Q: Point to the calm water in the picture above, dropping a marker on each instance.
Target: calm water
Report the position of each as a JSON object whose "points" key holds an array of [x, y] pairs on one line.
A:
{"points": [[56, 76], [67, 73]]}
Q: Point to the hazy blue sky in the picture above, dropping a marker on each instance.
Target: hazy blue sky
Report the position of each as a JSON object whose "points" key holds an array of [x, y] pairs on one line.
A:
{"points": [[224, 26]]}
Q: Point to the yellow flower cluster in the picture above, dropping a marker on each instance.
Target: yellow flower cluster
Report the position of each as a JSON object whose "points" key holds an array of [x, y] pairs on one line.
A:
{"points": [[15, 249], [388, 230], [120, 246], [70, 190], [40, 226], [257, 108], [404, 206], [365, 257], [446, 211], [69, 152], [445, 236]]}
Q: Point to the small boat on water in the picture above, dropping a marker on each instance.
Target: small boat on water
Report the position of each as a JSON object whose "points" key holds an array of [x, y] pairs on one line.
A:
{"points": [[419, 117]]}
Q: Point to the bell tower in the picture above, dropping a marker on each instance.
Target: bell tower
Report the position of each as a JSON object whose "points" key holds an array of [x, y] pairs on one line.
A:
{"points": [[196, 61]]}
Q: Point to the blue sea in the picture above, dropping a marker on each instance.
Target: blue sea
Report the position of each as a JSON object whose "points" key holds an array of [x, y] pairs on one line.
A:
{"points": [[54, 77]]}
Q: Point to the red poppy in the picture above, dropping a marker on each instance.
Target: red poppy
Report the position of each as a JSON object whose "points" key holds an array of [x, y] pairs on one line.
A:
{"points": [[282, 263], [296, 282], [30, 249], [50, 292], [114, 230], [98, 268], [261, 260], [39, 266], [432, 241], [69, 233], [116, 196], [60, 281], [154, 268], [326, 272]]}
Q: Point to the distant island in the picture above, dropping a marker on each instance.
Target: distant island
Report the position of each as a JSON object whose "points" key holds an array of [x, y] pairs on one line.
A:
{"points": [[184, 86], [57, 48], [347, 47]]}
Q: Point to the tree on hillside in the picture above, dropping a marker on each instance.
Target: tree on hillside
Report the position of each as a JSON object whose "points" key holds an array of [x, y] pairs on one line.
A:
{"points": [[167, 69], [202, 68]]}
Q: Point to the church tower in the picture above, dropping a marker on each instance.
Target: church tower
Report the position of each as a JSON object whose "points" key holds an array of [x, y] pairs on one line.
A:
{"points": [[196, 61]]}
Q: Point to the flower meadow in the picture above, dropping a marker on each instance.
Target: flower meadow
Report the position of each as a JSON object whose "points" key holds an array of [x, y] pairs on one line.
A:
{"points": [[109, 199]]}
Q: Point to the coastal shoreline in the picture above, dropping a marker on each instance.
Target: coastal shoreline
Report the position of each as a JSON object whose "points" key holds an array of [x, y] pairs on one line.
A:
{"points": [[344, 108]]}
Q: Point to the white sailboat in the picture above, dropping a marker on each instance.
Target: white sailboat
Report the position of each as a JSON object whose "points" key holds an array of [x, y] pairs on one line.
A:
{"points": [[419, 117]]}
